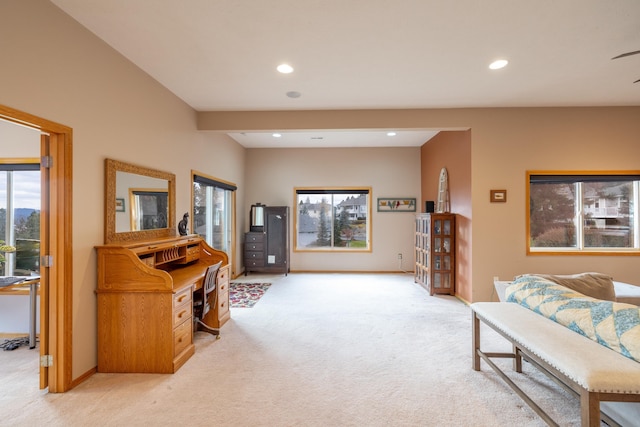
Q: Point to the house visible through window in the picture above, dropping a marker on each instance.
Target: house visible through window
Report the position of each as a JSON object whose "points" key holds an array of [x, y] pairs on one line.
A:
{"points": [[583, 213], [333, 219]]}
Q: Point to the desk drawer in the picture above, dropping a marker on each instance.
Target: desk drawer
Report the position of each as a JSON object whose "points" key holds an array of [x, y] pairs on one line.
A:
{"points": [[223, 303], [223, 287], [182, 337], [223, 275], [181, 314], [193, 253], [185, 296], [222, 314]]}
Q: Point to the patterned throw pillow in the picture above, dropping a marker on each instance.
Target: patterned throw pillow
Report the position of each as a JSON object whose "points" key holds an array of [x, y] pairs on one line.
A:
{"points": [[614, 325]]}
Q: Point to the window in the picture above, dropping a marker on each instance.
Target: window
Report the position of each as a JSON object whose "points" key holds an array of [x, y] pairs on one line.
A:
{"points": [[213, 205], [20, 218], [583, 213], [332, 219]]}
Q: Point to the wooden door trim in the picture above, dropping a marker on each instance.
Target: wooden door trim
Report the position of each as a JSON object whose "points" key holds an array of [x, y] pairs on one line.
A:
{"points": [[44, 276], [58, 335]]}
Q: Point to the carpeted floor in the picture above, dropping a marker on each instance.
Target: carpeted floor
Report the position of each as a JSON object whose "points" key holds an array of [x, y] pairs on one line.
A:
{"points": [[246, 295], [318, 350]]}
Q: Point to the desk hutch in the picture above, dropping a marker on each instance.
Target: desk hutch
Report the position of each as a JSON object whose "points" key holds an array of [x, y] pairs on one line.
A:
{"points": [[145, 291]]}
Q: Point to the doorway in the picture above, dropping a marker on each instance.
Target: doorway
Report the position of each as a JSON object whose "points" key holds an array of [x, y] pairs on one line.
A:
{"points": [[55, 248]]}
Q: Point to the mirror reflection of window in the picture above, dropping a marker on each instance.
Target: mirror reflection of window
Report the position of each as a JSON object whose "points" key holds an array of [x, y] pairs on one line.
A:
{"points": [[149, 209], [127, 183]]}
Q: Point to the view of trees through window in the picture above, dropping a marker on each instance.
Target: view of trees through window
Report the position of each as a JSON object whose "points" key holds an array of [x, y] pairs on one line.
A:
{"points": [[333, 219], [213, 212], [20, 189], [583, 212]]}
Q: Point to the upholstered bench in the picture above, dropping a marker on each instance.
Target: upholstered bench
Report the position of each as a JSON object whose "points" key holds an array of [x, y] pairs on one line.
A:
{"points": [[592, 371]]}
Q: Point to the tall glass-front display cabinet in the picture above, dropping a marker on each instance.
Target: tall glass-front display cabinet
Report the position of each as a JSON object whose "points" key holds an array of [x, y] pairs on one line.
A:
{"points": [[435, 252]]}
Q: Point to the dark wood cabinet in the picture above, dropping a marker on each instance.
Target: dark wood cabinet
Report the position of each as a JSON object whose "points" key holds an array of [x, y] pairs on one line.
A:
{"points": [[267, 251], [253, 251]]}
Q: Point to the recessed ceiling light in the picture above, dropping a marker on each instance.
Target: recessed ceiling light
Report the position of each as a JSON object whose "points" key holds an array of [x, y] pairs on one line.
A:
{"points": [[500, 63], [276, 135], [391, 134], [285, 68], [294, 94]]}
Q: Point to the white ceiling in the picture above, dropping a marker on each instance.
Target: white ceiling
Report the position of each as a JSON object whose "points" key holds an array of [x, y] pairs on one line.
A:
{"points": [[220, 55], [327, 139]]}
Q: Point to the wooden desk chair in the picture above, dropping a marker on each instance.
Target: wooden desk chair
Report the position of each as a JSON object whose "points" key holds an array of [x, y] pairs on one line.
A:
{"points": [[204, 299]]}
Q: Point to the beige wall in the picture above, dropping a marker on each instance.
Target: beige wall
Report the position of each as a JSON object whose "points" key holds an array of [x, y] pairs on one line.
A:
{"points": [[19, 141], [452, 150], [55, 69], [390, 172], [505, 144]]}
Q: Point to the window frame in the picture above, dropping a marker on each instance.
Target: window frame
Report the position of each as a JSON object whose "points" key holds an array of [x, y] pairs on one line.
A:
{"points": [[633, 176], [9, 237], [334, 190], [211, 218]]}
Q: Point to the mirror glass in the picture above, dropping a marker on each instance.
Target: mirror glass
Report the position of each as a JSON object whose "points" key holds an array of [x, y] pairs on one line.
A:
{"points": [[257, 217], [140, 202], [149, 208]]}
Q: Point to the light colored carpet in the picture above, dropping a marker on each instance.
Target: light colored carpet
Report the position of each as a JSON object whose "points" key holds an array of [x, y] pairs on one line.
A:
{"points": [[318, 350]]}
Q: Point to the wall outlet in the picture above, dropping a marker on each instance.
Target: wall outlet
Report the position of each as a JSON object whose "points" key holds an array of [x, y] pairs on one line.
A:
{"points": [[399, 256]]}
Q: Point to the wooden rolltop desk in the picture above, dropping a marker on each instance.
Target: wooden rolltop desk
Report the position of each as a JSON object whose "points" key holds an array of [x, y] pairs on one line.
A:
{"points": [[145, 294]]}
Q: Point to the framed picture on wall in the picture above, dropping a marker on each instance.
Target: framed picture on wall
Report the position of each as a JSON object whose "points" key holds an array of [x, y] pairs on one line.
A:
{"points": [[498, 196], [397, 204], [119, 205]]}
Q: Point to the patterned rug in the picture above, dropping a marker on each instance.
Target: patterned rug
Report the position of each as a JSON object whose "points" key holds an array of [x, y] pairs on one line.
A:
{"points": [[246, 295]]}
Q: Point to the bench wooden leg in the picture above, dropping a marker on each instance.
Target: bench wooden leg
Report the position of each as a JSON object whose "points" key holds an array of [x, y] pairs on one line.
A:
{"points": [[475, 340], [589, 409], [517, 360]]}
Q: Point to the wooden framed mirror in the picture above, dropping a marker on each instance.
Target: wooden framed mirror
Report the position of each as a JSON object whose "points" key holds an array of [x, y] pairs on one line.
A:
{"points": [[121, 180]]}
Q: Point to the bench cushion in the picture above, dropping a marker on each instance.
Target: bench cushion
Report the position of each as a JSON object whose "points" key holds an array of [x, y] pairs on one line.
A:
{"points": [[611, 324], [587, 363]]}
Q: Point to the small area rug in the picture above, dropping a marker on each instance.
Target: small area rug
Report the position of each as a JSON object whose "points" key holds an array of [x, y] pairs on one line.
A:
{"points": [[246, 295]]}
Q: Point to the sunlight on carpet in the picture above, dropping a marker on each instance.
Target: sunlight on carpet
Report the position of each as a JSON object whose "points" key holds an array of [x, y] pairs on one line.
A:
{"points": [[246, 295]]}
